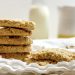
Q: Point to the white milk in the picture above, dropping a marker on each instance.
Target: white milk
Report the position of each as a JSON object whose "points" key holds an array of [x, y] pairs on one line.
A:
{"points": [[39, 13]]}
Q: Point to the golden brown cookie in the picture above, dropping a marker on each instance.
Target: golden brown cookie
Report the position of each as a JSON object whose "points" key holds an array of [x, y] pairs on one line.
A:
{"points": [[20, 56], [14, 49], [29, 25], [13, 40], [14, 32], [40, 62], [54, 54]]}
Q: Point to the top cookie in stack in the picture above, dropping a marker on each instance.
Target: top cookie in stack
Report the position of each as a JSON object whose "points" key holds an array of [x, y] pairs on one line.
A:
{"points": [[16, 28], [14, 38]]}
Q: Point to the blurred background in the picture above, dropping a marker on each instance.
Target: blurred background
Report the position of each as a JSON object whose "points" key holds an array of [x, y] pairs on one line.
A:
{"points": [[53, 18]]}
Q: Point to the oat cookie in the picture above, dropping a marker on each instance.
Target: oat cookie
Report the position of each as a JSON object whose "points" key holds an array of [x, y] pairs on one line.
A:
{"points": [[14, 49], [14, 32], [20, 56], [13, 40], [29, 25], [40, 62], [54, 54]]}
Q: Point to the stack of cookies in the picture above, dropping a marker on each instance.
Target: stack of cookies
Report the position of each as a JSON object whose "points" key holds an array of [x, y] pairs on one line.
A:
{"points": [[15, 41]]}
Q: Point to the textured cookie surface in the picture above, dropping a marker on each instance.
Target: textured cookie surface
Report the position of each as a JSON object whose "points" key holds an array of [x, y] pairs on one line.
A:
{"points": [[29, 25], [14, 49], [40, 62], [15, 40], [14, 31], [20, 56], [54, 54]]}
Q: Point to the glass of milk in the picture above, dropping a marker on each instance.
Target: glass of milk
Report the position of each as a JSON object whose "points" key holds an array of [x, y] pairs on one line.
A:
{"points": [[39, 13], [45, 14]]}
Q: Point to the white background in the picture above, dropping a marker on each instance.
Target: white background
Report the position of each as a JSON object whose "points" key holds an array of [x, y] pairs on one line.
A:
{"points": [[20, 8], [14, 9]]}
